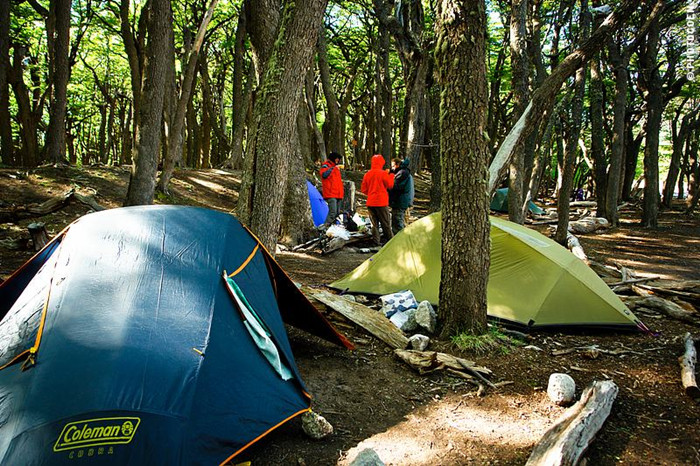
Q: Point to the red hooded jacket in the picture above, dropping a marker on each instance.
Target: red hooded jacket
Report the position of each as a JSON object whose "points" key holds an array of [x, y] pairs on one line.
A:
{"points": [[331, 181], [376, 183]]}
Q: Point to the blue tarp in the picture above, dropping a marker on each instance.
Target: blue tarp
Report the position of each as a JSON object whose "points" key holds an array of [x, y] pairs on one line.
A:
{"points": [[319, 207], [138, 354]]}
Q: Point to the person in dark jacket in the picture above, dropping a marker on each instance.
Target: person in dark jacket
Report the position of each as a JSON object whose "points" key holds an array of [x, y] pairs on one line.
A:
{"points": [[332, 186], [401, 195], [376, 184]]}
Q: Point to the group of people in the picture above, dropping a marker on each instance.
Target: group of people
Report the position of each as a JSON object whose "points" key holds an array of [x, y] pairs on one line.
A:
{"points": [[385, 188]]}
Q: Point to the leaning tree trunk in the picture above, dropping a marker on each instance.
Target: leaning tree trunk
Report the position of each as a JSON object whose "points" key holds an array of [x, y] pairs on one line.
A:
{"points": [[617, 154], [270, 148], [461, 58], [56, 133], [333, 123], [142, 183], [6, 156], [543, 98], [571, 153]]}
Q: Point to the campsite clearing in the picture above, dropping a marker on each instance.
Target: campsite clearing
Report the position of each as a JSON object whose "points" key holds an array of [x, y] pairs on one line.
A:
{"points": [[375, 400]]}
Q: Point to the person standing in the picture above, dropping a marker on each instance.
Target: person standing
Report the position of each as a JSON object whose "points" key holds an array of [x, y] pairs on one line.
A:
{"points": [[376, 184], [332, 187], [401, 195]]}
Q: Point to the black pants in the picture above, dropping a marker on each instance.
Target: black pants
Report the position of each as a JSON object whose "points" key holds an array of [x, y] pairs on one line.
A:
{"points": [[380, 216]]}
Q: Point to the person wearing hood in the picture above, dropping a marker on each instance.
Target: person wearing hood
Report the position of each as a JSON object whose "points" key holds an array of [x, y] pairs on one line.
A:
{"points": [[332, 187], [376, 185], [401, 195]]}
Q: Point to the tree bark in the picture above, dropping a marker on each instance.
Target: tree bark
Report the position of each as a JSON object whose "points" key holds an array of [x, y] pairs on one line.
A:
{"points": [[56, 133], [175, 141], [142, 182], [6, 144], [620, 63], [689, 123], [520, 64], [461, 58], [543, 98], [600, 166], [655, 106], [571, 152], [26, 115], [333, 123], [270, 146]]}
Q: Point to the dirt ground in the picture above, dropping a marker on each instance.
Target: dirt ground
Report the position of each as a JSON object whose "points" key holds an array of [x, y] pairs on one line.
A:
{"points": [[375, 401]]}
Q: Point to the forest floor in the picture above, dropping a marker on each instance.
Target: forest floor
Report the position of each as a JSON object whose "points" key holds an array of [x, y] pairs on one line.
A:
{"points": [[375, 401]]}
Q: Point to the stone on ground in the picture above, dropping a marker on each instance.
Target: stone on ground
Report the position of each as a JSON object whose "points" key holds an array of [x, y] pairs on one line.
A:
{"points": [[561, 389], [367, 457], [315, 425], [418, 342], [426, 317]]}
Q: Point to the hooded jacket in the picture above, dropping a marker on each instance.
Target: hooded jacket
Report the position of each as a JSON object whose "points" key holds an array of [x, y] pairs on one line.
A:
{"points": [[376, 183], [331, 181], [401, 195]]}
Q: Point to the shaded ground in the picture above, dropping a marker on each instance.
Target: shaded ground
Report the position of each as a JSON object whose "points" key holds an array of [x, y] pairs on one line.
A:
{"points": [[374, 400]]}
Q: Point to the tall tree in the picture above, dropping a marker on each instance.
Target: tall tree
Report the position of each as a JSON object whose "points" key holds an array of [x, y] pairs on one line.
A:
{"points": [[60, 69], [461, 58], [5, 122], [566, 174], [520, 65], [270, 146], [142, 182]]}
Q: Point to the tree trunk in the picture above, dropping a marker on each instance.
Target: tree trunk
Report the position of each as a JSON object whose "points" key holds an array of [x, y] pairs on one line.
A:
{"points": [[655, 106], [631, 153], [25, 115], [319, 148], [175, 142], [102, 155], [297, 224], [6, 144], [543, 98], [56, 133], [689, 123], [241, 96], [206, 117], [270, 147], [571, 152], [694, 180], [333, 123], [521, 95], [142, 182], [383, 96], [600, 167], [461, 58], [620, 63]]}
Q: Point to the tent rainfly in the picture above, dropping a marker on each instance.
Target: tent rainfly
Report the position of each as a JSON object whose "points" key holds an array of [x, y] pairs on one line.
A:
{"points": [[149, 335], [533, 281], [499, 203]]}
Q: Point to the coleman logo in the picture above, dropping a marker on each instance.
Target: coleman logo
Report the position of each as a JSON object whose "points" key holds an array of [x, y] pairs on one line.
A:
{"points": [[95, 432]]}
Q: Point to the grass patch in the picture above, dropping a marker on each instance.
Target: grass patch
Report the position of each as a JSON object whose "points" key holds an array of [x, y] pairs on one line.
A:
{"points": [[492, 341]]}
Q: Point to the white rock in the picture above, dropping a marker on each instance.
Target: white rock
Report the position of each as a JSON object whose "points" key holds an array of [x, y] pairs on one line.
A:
{"points": [[367, 457], [349, 297], [561, 389], [426, 317], [315, 425], [418, 342]]}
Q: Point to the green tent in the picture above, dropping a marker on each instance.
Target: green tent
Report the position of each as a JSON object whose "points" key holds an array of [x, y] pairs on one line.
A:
{"points": [[499, 203], [533, 281]]}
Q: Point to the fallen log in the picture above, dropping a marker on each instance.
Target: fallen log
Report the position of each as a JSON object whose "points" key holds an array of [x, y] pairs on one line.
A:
{"points": [[88, 201], [426, 362], [372, 321], [689, 290], [338, 243], [687, 362], [588, 225], [575, 247], [567, 440], [665, 306]]}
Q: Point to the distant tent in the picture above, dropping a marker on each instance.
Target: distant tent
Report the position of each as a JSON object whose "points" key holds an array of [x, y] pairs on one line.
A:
{"points": [[499, 203], [533, 281], [149, 335], [319, 207]]}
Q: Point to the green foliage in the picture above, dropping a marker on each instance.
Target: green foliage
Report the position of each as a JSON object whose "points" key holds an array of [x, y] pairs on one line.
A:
{"points": [[494, 341]]}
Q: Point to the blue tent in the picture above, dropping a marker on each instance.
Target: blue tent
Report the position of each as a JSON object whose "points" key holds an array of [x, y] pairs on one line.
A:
{"points": [[319, 207], [499, 203], [124, 342]]}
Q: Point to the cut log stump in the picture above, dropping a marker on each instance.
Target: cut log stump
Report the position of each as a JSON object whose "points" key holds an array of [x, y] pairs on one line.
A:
{"points": [[687, 362], [566, 441], [40, 237]]}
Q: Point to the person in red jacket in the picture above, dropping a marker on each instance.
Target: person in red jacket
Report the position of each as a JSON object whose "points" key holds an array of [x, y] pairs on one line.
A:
{"points": [[332, 186], [376, 184]]}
